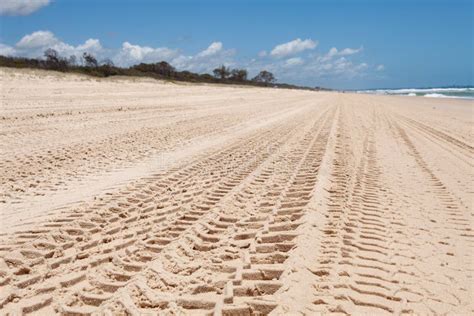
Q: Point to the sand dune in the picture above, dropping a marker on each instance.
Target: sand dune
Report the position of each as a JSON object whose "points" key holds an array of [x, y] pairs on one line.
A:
{"points": [[125, 196]]}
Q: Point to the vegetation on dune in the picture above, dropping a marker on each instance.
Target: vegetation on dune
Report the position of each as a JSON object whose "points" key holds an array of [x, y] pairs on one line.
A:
{"points": [[222, 72], [89, 65], [265, 77]]}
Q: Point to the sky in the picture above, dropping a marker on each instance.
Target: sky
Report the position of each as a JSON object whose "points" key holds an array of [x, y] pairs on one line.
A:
{"points": [[351, 44]]}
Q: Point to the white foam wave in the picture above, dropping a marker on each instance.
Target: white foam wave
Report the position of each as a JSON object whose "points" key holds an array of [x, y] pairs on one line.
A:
{"points": [[416, 90], [440, 95], [435, 95]]}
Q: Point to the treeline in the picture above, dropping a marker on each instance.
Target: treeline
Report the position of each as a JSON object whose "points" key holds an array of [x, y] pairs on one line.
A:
{"points": [[89, 65]]}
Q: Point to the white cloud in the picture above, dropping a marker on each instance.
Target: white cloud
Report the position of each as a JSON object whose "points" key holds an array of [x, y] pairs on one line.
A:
{"points": [[342, 64], [333, 52], [380, 68], [293, 47], [37, 39], [91, 45], [205, 61], [350, 51], [362, 66], [314, 67], [262, 53], [296, 61], [343, 68], [6, 50], [21, 7], [213, 49], [131, 54], [33, 45]]}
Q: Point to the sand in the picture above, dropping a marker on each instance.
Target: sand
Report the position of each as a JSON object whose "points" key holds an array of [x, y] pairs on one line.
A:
{"points": [[134, 196]]}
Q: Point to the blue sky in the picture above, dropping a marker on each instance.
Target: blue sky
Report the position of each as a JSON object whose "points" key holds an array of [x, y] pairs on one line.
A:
{"points": [[338, 44]]}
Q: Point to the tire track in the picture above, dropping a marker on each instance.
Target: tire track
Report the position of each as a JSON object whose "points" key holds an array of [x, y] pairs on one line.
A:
{"points": [[453, 205], [436, 232], [353, 246], [99, 248], [312, 204], [358, 270], [441, 136], [43, 172], [241, 248]]}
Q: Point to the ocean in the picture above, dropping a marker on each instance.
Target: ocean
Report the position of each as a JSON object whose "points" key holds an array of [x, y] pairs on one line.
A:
{"points": [[460, 93]]}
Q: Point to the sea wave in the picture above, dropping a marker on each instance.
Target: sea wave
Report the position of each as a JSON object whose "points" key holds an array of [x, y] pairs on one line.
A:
{"points": [[440, 95], [417, 90], [459, 93], [436, 95]]}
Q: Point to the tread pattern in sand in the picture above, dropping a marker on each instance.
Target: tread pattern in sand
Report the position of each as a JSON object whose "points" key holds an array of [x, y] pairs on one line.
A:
{"points": [[378, 193]]}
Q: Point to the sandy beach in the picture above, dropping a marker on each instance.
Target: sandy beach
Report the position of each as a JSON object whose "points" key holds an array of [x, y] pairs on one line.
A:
{"points": [[140, 197]]}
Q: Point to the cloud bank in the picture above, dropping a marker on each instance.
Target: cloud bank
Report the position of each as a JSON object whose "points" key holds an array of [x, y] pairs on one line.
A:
{"points": [[33, 46], [21, 7]]}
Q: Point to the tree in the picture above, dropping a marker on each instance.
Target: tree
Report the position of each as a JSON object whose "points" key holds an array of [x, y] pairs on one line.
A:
{"points": [[107, 62], [144, 67], [264, 77], [238, 75], [107, 68], [207, 77], [222, 72], [164, 69], [51, 55], [72, 60], [90, 60], [54, 61]]}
